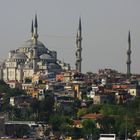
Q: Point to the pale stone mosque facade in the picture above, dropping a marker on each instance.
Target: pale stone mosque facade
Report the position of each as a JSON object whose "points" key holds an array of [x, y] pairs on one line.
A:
{"points": [[32, 57]]}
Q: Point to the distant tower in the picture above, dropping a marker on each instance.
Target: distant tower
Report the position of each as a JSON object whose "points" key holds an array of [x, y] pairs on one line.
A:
{"points": [[35, 37], [35, 30], [129, 57], [79, 47], [32, 30]]}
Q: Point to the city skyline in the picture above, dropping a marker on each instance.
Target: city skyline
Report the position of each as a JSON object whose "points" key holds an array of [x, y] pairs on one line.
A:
{"points": [[105, 28]]}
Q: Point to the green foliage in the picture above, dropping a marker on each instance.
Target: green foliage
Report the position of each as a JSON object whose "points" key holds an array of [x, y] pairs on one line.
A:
{"points": [[94, 109], [107, 124], [4, 88], [126, 123], [88, 126], [56, 121], [90, 130], [84, 95], [16, 92], [37, 111], [47, 104], [35, 105], [138, 138], [20, 114], [81, 112], [75, 106], [2, 82], [76, 133], [134, 106], [60, 122], [11, 93], [43, 109], [108, 109], [114, 120], [21, 130]]}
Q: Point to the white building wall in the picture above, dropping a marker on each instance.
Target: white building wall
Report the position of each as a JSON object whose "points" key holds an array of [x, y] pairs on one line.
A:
{"points": [[11, 73], [28, 73]]}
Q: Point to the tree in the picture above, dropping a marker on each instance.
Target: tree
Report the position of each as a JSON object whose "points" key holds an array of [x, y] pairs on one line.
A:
{"points": [[81, 112], [35, 105], [11, 93], [21, 130], [88, 126], [75, 105], [4, 88], [47, 104], [43, 109], [108, 109], [16, 92], [60, 122], [94, 109], [107, 124], [89, 129]]}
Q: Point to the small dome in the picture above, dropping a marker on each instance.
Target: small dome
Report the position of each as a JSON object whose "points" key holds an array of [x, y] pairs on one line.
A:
{"points": [[20, 56], [54, 66], [46, 56]]}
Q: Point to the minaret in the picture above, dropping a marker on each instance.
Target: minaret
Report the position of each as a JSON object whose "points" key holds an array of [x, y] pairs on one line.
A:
{"points": [[35, 30], [35, 57], [32, 30], [79, 47], [129, 57]]}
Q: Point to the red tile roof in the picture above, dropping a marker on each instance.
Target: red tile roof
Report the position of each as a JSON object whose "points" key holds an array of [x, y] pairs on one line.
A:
{"points": [[77, 122], [93, 116]]}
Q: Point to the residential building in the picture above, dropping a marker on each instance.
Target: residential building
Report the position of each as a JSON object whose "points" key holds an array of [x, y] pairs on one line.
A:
{"points": [[134, 90]]}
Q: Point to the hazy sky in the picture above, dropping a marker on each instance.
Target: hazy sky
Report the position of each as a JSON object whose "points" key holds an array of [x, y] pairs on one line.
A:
{"points": [[105, 25]]}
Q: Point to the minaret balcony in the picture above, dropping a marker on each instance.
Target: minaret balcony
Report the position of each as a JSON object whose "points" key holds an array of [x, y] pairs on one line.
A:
{"points": [[128, 62], [79, 49], [79, 60], [129, 52], [79, 39]]}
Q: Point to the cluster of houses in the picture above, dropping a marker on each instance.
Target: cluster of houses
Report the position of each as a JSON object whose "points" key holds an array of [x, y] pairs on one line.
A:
{"points": [[107, 86], [104, 87]]}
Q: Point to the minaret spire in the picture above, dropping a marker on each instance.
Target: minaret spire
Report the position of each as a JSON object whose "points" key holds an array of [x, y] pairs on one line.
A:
{"points": [[79, 47], [35, 49], [32, 30], [129, 56], [80, 26], [36, 24], [129, 38], [35, 29]]}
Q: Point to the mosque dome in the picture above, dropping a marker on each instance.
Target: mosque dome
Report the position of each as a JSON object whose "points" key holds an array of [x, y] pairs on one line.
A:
{"points": [[54, 66], [20, 56], [46, 56], [29, 44], [33, 41]]}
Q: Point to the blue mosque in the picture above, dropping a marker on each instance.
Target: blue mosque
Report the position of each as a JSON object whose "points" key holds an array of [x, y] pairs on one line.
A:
{"points": [[30, 58]]}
